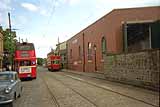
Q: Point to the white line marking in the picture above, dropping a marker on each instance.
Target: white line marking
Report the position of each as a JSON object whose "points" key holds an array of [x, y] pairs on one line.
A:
{"points": [[109, 88], [75, 77], [102, 86]]}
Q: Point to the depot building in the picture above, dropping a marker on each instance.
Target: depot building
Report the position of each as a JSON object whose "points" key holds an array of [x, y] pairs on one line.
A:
{"points": [[121, 30]]}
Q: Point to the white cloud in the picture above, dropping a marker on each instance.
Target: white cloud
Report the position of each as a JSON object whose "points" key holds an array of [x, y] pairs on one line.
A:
{"points": [[34, 8], [30, 6]]}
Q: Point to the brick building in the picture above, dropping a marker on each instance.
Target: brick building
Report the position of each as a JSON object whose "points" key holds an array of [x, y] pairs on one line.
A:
{"points": [[62, 50], [118, 31]]}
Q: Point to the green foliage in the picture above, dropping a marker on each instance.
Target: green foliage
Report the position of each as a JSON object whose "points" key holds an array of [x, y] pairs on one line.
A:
{"points": [[9, 42], [40, 61]]}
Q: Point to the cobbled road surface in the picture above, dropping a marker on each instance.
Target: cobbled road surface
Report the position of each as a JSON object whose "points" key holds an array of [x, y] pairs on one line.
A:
{"points": [[63, 89]]}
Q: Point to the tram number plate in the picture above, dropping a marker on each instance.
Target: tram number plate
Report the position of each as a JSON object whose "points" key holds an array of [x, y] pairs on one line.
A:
{"points": [[25, 69]]}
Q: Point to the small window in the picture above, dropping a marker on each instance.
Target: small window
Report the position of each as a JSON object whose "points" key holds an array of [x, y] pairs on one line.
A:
{"points": [[56, 62], [52, 62]]}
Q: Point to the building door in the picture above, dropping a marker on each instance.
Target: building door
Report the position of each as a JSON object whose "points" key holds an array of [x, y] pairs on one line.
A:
{"points": [[95, 59], [155, 32]]}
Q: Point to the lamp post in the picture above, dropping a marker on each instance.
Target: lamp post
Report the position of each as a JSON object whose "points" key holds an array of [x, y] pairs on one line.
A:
{"points": [[1, 49], [12, 35]]}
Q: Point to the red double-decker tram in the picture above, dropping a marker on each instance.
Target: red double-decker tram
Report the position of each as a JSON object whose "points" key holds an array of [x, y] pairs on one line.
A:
{"points": [[25, 60], [53, 62]]}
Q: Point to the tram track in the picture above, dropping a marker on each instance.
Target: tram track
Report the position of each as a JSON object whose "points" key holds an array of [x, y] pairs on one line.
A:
{"points": [[66, 85], [110, 90], [54, 100]]}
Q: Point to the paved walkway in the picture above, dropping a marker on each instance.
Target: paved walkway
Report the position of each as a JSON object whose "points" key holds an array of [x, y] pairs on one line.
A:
{"points": [[89, 74]]}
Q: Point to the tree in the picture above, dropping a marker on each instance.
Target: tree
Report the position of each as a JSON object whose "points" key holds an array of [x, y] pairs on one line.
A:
{"points": [[9, 43], [40, 61]]}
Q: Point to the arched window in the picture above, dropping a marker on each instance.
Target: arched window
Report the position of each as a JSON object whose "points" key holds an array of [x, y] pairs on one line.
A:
{"points": [[89, 51], [70, 53], [103, 46]]}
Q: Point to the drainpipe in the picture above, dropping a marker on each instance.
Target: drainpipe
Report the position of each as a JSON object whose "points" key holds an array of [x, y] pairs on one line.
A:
{"points": [[83, 54], [150, 37], [125, 37]]}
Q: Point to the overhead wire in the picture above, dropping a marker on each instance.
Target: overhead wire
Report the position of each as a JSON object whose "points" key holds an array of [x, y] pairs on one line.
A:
{"points": [[52, 11], [53, 8]]}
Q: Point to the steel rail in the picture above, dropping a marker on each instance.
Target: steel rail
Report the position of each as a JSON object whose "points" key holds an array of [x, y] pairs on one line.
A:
{"points": [[66, 85], [51, 93], [110, 90]]}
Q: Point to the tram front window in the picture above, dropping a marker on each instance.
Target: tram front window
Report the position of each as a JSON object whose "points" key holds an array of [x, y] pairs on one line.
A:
{"points": [[25, 63]]}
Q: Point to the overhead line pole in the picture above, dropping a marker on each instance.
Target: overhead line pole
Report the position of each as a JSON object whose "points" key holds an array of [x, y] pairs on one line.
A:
{"points": [[10, 31], [9, 18]]}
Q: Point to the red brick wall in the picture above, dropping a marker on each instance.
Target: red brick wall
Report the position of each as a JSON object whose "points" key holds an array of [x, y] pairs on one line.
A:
{"points": [[72, 44], [109, 26], [120, 16]]}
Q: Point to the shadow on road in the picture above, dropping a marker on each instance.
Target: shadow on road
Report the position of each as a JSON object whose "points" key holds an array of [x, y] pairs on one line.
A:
{"points": [[6, 105], [26, 79]]}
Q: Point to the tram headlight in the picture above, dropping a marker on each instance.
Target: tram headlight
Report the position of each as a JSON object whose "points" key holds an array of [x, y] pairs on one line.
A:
{"points": [[33, 62]]}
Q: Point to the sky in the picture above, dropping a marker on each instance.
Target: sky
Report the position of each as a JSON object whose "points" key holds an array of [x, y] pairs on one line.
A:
{"points": [[44, 21]]}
